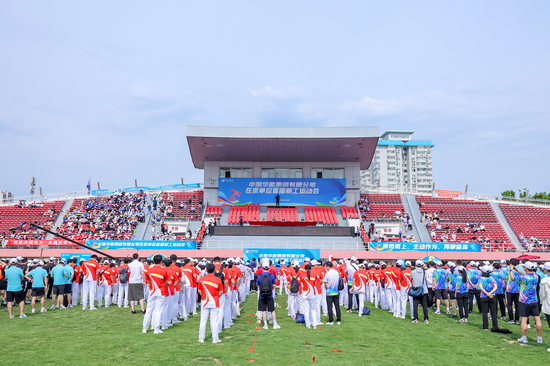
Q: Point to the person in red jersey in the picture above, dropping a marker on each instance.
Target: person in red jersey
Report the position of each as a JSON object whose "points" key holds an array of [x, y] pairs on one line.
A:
{"points": [[165, 320], [177, 281], [89, 286], [114, 275], [76, 283], [294, 299], [283, 272], [308, 293], [396, 291], [189, 271], [104, 282], [210, 288], [359, 288], [405, 284], [123, 276], [156, 279], [320, 273]]}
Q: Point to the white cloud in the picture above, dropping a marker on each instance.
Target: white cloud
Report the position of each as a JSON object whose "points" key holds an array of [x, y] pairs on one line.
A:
{"points": [[279, 93]]}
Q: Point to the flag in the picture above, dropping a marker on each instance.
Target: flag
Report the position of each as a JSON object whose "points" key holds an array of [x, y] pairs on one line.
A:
{"points": [[89, 185]]}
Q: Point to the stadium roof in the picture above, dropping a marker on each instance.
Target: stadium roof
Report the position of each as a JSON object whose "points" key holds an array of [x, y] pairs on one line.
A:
{"points": [[282, 144], [409, 132], [406, 143]]}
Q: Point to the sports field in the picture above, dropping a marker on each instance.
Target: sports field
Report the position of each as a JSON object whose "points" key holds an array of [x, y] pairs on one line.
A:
{"points": [[113, 336]]}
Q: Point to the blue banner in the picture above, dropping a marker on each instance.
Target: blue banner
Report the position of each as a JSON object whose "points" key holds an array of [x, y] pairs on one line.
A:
{"points": [[141, 244], [102, 192], [281, 254], [66, 256], [432, 247], [292, 191]]}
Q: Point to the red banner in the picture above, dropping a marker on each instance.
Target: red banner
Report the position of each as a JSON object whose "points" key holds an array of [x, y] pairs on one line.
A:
{"points": [[448, 194], [35, 243]]}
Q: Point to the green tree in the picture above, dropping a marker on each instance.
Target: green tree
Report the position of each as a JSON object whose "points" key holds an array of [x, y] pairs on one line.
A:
{"points": [[541, 196], [509, 193]]}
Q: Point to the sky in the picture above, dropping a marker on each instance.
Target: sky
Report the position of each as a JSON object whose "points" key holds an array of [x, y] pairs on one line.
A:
{"points": [[106, 89]]}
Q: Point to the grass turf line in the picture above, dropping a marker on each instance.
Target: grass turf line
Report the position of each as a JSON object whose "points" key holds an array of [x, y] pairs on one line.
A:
{"points": [[113, 336]]}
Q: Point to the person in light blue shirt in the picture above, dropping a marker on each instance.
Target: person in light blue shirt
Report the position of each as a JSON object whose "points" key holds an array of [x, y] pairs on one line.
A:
{"points": [[59, 281], [39, 279], [15, 292], [69, 284]]}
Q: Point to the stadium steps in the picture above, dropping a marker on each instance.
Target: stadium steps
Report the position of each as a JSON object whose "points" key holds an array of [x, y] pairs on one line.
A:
{"points": [[506, 226], [59, 221], [289, 242], [225, 215], [147, 230], [419, 229], [341, 220]]}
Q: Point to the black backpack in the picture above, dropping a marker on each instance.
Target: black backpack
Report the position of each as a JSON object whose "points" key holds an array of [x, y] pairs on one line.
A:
{"points": [[220, 274], [294, 285], [123, 275], [340, 284], [265, 286]]}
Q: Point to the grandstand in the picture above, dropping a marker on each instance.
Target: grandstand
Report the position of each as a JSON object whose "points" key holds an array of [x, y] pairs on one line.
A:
{"points": [[530, 224], [42, 213]]}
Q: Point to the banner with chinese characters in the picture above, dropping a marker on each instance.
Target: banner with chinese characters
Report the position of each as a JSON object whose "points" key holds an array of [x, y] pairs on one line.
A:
{"points": [[141, 244], [68, 256], [36, 243], [291, 191], [275, 255], [432, 247]]}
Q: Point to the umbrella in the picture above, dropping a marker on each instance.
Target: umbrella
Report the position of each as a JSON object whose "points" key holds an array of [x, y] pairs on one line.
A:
{"points": [[151, 256], [528, 257], [430, 258]]}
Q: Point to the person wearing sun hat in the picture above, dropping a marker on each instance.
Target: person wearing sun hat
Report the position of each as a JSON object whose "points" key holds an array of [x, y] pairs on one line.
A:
{"points": [[488, 287], [528, 299], [15, 293]]}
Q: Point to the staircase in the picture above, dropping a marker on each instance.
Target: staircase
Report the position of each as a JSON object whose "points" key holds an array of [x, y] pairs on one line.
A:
{"points": [[59, 221], [419, 230], [506, 226]]}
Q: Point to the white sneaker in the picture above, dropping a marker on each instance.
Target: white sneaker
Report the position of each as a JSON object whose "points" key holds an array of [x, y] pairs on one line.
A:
{"points": [[144, 331], [216, 341], [33, 311], [320, 323], [276, 326], [175, 321], [338, 323], [94, 308], [120, 306], [329, 323], [43, 310], [402, 317], [539, 339], [528, 326], [325, 314], [164, 328], [84, 308], [522, 340], [201, 340], [126, 306], [265, 326], [314, 327], [194, 313], [158, 331], [53, 307], [22, 316], [308, 327], [62, 306]]}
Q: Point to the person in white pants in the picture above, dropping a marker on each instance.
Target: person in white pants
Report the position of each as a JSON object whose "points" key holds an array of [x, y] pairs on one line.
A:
{"points": [[76, 286], [387, 275], [157, 280], [90, 271], [309, 300], [405, 283], [104, 287], [360, 278], [123, 283], [211, 289]]}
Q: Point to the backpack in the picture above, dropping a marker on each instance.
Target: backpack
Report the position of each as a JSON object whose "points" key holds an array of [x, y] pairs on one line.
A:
{"points": [[300, 318], [265, 286], [366, 311], [123, 275], [219, 274], [340, 284], [294, 285]]}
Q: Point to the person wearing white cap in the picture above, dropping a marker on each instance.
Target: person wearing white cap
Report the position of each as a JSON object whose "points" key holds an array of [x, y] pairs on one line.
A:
{"points": [[474, 274], [439, 284], [344, 294], [294, 299], [59, 280], [404, 284], [266, 284], [360, 279], [308, 287], [351, 267], [123, 276], [488, 287], [104, 285], [39, 279], [15, 293], [528, 298], [419, 283]]}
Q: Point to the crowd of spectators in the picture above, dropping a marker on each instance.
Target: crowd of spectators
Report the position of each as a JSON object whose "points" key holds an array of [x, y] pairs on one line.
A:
{"points": [[105, 218], [534, 244]]}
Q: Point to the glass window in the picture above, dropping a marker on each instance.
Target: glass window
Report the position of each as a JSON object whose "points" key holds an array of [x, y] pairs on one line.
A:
{"points": [[281, 173], [327, 173], [315, 173], [236, 173], [295, 173], [268, 173], [247, 172], [225, 173]]}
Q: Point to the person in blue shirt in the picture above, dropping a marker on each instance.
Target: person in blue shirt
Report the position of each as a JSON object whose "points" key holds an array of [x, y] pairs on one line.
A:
{"points": [[488, 287], [528, 300], [39, 279], [266, 303], [15, 292], [59, 281], [498, 274], [69, 284]]}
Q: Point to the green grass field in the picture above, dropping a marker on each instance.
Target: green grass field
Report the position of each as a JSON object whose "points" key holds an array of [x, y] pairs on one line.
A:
{"points": [[113, 336]]}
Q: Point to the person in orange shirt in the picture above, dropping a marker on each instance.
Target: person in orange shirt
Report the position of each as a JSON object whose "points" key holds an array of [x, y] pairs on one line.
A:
{"points": [[344, 298], [386, 279], [237, 274], [104, 285], [177, 281], [166, 318], [294, 299], [320, 273], [156, 279], [308, 292], [283, 271], [371, 284], [359, 288], [89, 286], [76, 283], [123, 283], [377, 277], [405, 285], [114, 274], [221, 272], [211, 289], [189, 271], [396, 291]]}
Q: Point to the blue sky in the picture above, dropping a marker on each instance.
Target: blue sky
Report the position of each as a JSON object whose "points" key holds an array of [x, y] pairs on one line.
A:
{"points": [[105, 89]]}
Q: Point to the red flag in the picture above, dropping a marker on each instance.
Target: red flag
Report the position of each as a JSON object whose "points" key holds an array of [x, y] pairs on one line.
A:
{"points": [[306, 342], [249, 319], [251, 349], [252, 314], [255, 342], [336, 351], [319, 328], [253, 335], [313, 358], [251, 360], [257, 328]]}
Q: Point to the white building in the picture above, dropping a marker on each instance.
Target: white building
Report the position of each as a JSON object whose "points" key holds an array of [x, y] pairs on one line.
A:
{"points": [[400, 163], [6, 197]]}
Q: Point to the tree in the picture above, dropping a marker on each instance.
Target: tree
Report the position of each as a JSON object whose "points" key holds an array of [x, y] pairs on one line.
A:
{"points": [[509, 193], [541, 196]]}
